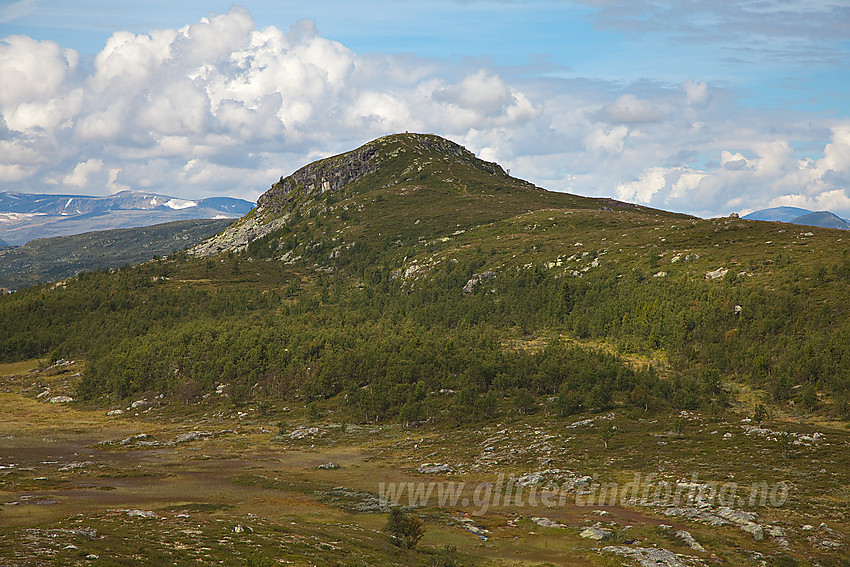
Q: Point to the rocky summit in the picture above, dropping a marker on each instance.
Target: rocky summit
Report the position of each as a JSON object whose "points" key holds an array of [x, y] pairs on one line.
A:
{"points": [[397, 165]]}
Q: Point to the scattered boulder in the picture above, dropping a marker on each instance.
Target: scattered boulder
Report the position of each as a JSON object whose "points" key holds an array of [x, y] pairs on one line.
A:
{"points": [[60, 399], [434, 468], [141, 438], [716, 274], [331, 466], [736, 516], [301, 432], [115, 412], [192, 436], [754, 529], [596, 534], [141, 514], [590, 420], [689, 540], [76, 465], [539, 477], [687, 258], [547, 523]]}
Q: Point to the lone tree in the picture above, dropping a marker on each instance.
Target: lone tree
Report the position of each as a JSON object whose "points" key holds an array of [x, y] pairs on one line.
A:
{"points": [[760, 413], [404, 529]]}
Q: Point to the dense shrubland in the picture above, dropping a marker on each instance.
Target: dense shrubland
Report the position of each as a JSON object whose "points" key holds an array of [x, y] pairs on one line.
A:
{"points": [[385, 349]]}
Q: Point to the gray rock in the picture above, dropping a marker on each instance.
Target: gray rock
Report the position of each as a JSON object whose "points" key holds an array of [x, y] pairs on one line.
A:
{"points": [[647, 556], [775, 531], [141, 514], [829, 544], [547, 523], [329, 466], [136, 439], [538, 477], [754, 529], [736, 516], [192, 436], [689, 540], [301, 432], [434, 468], [60, 399], [597, 534], [237, 236], [475, 280], [76, 465], [716, 274]]}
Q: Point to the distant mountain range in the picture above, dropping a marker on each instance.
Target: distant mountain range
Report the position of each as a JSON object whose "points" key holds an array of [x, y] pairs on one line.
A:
{"points": [[27, 216], [795, 215], [50, 259]]}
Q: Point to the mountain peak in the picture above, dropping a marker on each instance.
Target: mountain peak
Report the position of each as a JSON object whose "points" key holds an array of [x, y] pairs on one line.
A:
{"points": [[408, 188], [396, 152], [822, 219], [794, 215]]}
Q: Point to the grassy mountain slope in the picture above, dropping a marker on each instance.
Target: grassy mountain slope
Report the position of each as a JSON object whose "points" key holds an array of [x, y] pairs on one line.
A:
{"points": [[371, 262], [50, 259]]}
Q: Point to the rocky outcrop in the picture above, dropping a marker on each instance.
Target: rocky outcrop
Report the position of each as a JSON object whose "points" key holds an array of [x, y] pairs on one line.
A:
{"points": [[434, 468], [60, 399], [237, 236], [648, 556], [331, 174], [595, 533], [716, 274], [477, 279], [547, 523]]}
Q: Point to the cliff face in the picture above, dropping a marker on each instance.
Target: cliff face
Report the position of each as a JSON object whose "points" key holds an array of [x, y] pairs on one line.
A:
{"points": [[331, 174]]}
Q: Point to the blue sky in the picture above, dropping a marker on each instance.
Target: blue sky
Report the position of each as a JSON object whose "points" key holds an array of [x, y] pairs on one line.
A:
{"points": [[699, 106]]}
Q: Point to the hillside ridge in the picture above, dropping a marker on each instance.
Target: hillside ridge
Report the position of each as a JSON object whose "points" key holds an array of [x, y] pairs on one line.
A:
{"points": [[436, 178], [336, 172]]}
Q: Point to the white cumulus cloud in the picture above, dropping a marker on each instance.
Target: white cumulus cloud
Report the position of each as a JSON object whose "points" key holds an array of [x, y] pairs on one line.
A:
{"points": [[82, 171], [221, 107]]}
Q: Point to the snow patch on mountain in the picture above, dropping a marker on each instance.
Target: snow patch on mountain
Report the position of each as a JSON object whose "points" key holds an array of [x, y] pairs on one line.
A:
{"points": [[178, 204], [16, 217]]}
